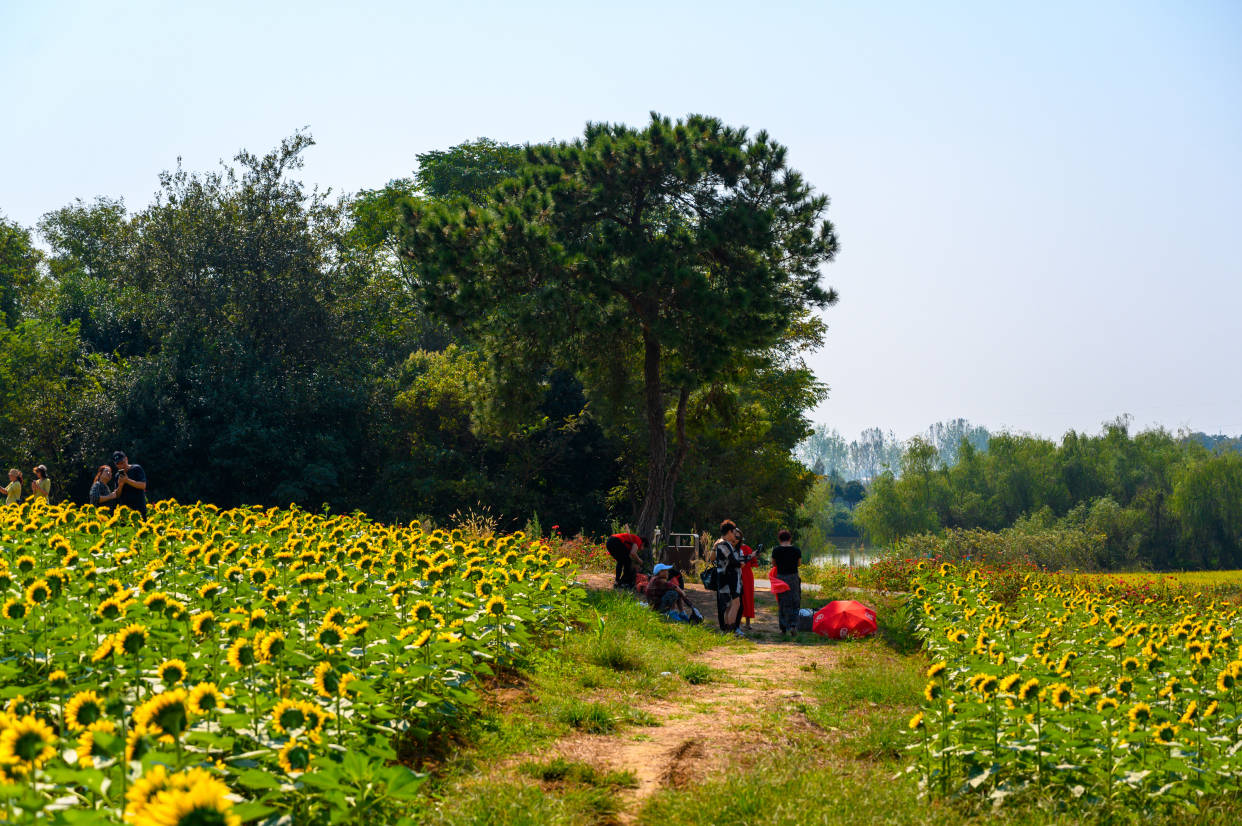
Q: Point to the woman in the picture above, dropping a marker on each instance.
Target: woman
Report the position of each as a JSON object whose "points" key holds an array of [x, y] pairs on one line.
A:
{"points": [[101, 495], [41, 487], [786, 557], [727, 553], [751, 559], [14, 489]]}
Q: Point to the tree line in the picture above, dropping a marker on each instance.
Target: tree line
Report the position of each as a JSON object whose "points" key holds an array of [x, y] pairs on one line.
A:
{"points": [[607, 329], [1147, 499]]}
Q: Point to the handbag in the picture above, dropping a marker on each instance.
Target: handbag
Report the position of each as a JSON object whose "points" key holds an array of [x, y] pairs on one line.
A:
{"points": [[710, 577]]}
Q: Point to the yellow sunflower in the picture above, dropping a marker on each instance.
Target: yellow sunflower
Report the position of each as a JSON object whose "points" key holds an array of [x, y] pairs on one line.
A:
{"points": [[25, 744], [85, 708]]}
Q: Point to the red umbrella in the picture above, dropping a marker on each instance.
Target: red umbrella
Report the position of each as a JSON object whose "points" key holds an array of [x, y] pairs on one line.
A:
{"points": [[844, 618]]}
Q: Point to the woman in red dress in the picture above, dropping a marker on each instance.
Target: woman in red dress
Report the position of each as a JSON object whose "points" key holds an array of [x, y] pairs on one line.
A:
{"points": [[748, 584]]}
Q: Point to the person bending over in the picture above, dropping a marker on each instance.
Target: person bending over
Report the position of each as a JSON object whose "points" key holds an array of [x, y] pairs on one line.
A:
{"points": [[624, 548]]}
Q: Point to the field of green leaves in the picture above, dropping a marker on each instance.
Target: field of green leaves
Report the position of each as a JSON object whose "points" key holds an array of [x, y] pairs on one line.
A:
{"points": [[219, 667]]}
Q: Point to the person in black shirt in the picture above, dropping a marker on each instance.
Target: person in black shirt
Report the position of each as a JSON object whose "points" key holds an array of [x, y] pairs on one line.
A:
{"points": [[786, 557], [131, 484]]}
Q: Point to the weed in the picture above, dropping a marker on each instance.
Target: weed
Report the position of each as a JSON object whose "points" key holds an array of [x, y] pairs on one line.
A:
{"points": [[697, 673]]}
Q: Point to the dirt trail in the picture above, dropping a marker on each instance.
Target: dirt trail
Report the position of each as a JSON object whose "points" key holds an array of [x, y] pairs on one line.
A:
{"points": [[707, 726]]}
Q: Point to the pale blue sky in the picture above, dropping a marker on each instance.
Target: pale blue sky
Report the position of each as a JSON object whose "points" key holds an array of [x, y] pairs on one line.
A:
{"points": [[1036, 203]]}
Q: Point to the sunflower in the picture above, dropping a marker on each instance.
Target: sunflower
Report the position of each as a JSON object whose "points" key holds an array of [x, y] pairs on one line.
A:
{"points": [[130, 639], [14, 610], [39, 592], [1130, 664], [346, 681], [1225, 680], [209, 590], [169, 711], [294, 758], [26, 743], [330, 636], [1105, 705], [172, 672], [422, 611], [335, 616], [496, 606], [85, 708], [289, 715], [192, 797], [203, 624], [327, 680], [104, 651], [271, 645], [156, 601], [25, 563], [1124, 685], [422, 638], [1188, 716], [111, 609], [1139, 714], [257, 620], [242, 654], [1029, 688], [87, 749], [916, 722], [935, 670], [1164, 732], [58, 678], [203, 698], [933, 690]]}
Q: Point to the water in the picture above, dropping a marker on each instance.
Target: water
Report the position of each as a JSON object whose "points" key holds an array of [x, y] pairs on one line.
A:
{"points": [[860, 559]]}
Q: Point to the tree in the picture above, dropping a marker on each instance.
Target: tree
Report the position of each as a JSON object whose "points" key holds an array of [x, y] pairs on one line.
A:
{"points": [[468, 170], [666, 250], [19, 271]]}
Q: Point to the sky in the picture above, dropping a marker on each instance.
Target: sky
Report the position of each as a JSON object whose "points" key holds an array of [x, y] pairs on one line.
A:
{"points": [[1035, 202]]}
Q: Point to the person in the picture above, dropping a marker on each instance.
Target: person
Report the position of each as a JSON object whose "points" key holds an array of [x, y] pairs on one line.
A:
{"points": [[41, 487], [131, 483], [14, 489], [727, 553], [750, 560], [785, 558], [624, 548], [101, 495], [666, 595]]}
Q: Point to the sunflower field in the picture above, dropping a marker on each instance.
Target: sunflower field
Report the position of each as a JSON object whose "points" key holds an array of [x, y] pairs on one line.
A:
{"points": [[218, 667], [1058, 692]]}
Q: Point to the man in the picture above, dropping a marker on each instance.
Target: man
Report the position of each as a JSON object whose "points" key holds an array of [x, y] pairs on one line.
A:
{"points": [[727, 554], [624, 548], [131, 484]]}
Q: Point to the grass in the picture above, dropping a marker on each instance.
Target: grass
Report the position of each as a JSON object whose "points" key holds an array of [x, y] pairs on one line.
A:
{"points": [[560, 770], [837, 757]]}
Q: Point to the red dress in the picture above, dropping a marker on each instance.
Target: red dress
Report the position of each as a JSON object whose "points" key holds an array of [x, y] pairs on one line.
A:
{"points": [[748, 583]]}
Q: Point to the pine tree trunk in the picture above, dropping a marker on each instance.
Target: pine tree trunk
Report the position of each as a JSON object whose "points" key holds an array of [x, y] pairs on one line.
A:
{"points": [[657, 441]]}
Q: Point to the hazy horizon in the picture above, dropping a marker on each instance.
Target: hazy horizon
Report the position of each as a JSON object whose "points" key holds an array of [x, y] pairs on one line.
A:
{"points": [[1035, 205]]}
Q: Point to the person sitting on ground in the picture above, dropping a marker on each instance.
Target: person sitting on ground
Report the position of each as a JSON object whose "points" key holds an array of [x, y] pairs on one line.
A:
{"points": [[102, 496], [665, 595], [41, 487], [624, 548], [785, 558]]}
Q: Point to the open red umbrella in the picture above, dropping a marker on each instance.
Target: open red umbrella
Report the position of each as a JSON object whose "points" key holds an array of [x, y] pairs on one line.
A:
{"points": [[844, 618]]}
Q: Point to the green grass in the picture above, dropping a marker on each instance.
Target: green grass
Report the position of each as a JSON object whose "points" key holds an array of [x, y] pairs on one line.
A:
{"points": [[560, 770]]}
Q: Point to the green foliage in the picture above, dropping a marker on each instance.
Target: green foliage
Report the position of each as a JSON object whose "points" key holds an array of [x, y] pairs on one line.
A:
{"points": [[19, 271], [1106, 501], [468, 170], [605, 252]]}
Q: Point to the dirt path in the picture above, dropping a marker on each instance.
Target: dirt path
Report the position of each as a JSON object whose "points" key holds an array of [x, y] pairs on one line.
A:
{"points": [[755, 693]]}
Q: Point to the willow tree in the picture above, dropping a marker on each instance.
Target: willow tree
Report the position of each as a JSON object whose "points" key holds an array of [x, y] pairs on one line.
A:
{"points": [[651, 257]]}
